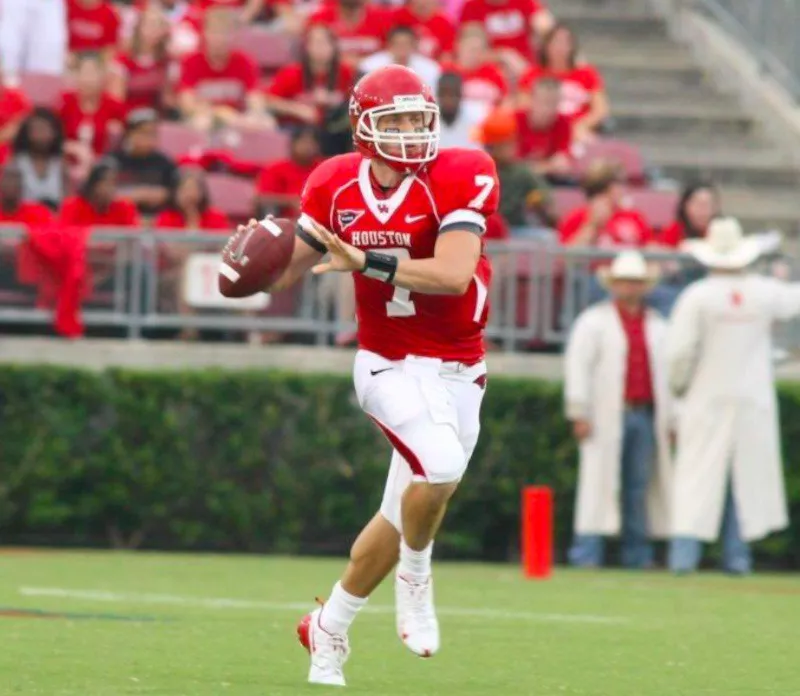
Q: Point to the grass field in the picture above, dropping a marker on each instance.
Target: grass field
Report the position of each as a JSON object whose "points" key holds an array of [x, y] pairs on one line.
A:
{"points": [[109, 624]]}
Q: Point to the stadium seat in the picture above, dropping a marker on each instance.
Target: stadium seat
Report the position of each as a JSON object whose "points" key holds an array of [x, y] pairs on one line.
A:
{"points": [[270, 50], [566, 200], [43, 90], [176, 140], [233, 195], [257, 147], [658, 207], [625, 153]]}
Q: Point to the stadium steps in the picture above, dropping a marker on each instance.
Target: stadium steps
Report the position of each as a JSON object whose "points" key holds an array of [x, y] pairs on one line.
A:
{"points": [[685, 125]]}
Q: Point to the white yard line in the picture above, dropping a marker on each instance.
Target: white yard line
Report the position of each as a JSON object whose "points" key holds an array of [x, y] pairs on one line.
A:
{"points": [[229, 603]]}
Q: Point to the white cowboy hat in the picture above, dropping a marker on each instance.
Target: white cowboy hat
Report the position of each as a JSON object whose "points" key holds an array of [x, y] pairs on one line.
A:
{"points": [[725, 246], [628, 265]]}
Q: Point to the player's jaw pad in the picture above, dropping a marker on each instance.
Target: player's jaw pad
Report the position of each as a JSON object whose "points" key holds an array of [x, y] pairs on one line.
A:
{"points": [[406, 136]]}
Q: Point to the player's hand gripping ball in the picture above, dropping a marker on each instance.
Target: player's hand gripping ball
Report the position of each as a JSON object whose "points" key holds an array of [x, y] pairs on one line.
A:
{"points": [[256, 255]]}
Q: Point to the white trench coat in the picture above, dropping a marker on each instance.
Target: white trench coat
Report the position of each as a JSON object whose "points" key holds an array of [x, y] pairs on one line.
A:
{"points": [[720, 362], [595, 365]]}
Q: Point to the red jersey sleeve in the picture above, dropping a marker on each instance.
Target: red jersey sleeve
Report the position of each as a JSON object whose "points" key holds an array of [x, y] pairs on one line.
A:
{"points": [[287, 83], [571, 223], [316, 202], [592, 78], [467, 189]]}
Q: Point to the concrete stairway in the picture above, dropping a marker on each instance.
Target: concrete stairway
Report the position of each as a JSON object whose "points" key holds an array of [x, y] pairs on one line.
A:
{"points": [[685, 125]]}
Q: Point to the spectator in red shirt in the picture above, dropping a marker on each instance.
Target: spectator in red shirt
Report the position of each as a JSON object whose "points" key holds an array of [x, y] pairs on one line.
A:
{"points": [[189, 207], [13, 206], [603, 221], [583, 97], [92, 25], [699, 204], [433, 27], [361, 28], [509, 24], [97, 203], [306, 91], [92, 118], [545, 135], [39, 154], [218, 85], [14, 107], [482, 80], [139, 76], [280, 183]]}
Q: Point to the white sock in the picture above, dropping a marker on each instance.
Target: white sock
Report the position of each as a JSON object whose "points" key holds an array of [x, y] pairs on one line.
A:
{"points": [[416, 564], [340, 610]]}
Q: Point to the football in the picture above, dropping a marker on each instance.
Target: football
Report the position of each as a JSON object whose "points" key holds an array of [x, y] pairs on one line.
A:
{"points": [[256, 257]]}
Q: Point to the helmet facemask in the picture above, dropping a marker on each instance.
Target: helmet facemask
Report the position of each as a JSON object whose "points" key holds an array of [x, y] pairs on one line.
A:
{"points": [[415, 147]]}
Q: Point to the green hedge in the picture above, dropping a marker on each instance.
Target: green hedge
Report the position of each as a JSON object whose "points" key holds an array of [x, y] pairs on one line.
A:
{"points": [[266, 461]]}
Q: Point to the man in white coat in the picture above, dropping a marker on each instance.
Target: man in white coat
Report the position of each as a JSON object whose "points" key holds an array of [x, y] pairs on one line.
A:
{"points": [[728, 472], [618, 401]]}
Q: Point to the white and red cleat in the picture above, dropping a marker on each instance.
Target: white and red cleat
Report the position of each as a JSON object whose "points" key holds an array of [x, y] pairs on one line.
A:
{"points": [[417, 624], [328, 651]]}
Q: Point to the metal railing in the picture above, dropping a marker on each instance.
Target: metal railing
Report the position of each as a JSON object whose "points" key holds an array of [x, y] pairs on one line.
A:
{"points": [[537, 290], [770, 30]]}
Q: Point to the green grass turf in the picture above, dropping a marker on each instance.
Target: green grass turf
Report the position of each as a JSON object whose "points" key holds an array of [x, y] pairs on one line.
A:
{"points": [[593, 634]]}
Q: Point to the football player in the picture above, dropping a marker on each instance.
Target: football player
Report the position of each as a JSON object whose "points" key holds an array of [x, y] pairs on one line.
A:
{"points": [[406, 220]]}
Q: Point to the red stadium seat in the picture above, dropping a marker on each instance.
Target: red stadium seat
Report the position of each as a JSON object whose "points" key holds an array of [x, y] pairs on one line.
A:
{"points": [[43, 90], [625, 153], [176, 140], [233, 195], [566, 200], [270, 50], [658, 207], [257, 147]]}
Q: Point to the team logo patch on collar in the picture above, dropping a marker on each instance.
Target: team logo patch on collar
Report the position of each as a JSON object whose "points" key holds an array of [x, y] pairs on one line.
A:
{"points": [[348, 217]]}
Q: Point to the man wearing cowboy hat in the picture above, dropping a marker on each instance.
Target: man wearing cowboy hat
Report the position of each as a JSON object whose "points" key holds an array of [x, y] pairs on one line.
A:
{"points": [[728, 464], [618, 401]]}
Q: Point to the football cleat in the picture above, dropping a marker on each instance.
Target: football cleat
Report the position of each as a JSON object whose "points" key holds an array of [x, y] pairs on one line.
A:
{"points": [[417, 624], [328, 651]]}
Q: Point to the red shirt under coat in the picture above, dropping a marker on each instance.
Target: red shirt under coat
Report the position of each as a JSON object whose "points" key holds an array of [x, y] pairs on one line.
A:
{"points": [[638, 378]]}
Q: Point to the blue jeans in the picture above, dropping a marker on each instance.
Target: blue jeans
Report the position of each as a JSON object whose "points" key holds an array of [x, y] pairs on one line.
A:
{"points": [[638, 454], [685, 552]]}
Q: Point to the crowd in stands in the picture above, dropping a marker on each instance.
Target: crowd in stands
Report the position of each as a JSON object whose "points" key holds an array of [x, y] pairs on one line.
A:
{"points": [[111, 111]]}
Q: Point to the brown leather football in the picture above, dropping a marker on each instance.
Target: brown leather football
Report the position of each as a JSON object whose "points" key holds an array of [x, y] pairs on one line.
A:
{"points": [[255, 258]]}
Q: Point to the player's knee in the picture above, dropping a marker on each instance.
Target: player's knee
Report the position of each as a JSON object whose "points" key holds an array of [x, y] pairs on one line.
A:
{"points": [[445, 461]]}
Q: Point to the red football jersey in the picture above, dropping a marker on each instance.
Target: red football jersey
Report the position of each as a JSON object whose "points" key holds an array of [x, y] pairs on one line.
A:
{"points": [[225, 86], [486, 83], [459, 187], [95, 128], [436, 33], [359, 40], [508, 24], [145, 79], [542, 144], [92, 29], [577, 88]]}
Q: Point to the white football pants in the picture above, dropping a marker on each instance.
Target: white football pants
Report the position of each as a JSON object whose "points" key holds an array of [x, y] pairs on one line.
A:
{"points": [[430, 412]]}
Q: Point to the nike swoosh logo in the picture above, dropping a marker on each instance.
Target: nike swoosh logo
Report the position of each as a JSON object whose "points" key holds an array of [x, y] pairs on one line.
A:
{"points": [[377, 372], [411, 219]]}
